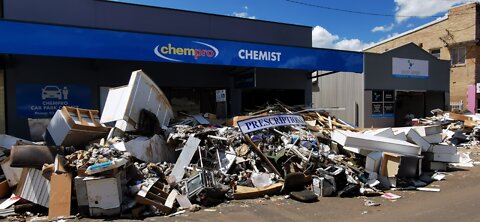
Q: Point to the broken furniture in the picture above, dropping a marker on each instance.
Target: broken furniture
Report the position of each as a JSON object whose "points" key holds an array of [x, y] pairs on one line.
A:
{"points": [[75, 127]]}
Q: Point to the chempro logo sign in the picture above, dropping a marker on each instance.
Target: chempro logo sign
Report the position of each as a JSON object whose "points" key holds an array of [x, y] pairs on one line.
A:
{"points": [[172, 52]]}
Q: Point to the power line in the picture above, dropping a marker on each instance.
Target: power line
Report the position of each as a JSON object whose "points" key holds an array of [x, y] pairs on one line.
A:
{"points": [[363, 12]]}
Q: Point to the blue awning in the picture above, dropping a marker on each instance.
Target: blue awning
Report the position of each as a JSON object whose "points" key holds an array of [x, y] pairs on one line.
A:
{"points": [[51, 40]]}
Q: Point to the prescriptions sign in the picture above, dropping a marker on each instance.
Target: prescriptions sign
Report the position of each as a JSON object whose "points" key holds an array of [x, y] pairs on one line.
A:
{"points": [[263, 122], [43, 100]]}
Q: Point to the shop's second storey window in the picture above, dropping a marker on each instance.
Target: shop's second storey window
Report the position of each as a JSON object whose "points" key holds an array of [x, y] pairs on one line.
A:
{"points": [[457, 55], [436, 53]]}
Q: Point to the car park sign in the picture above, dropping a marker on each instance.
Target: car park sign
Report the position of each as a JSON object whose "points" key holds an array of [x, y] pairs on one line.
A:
{"points": [[42, 100]]}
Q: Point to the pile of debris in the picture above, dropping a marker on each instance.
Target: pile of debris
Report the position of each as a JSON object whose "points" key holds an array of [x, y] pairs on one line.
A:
{"points": [[130, 162]]}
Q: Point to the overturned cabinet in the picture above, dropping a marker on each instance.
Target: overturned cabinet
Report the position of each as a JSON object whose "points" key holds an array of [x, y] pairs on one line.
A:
{"points": [[75, 127]]}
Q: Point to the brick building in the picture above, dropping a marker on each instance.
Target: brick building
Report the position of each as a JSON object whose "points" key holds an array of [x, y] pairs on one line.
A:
{"points": [[454, 37]]}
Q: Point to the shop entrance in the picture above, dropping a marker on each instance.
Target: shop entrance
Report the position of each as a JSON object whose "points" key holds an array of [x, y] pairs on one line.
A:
{"points": [[254, 99], [416, 105]]}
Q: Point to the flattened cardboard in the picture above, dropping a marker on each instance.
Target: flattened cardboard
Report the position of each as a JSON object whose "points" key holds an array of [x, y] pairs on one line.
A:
{"points": [[4, 189], [60, 195]]}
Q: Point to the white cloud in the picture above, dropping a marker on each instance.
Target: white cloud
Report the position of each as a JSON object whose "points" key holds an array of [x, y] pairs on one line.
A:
{"points": [[352, 44], [385, 28], [410, 25], [243, 14], [322, 38], [423, 8], [392, 35]]}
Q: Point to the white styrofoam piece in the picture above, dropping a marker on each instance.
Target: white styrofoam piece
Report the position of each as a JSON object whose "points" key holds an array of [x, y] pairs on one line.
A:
{"points": [[448, 158], [444, 149], [125, 103], [428, 130], [383, 132], [434, 138], [400, 136], [357, 150], [372, 163], [386, 132], [375, 143], [414, 137], [421, 130]]}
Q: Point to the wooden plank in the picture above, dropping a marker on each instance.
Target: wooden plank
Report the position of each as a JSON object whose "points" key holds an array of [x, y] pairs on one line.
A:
{"points": [[243, 192], [458, 117]]}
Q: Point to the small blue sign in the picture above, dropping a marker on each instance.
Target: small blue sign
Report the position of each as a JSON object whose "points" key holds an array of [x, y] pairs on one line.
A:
{"points": [[43, 100]]}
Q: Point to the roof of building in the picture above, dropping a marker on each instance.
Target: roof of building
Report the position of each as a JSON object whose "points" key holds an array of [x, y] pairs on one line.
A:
{"points": [[204, 13]]}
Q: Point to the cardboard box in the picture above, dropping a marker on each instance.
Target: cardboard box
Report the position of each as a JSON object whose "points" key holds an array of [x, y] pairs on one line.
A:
{"points": [[395, 165], [390, 165]]}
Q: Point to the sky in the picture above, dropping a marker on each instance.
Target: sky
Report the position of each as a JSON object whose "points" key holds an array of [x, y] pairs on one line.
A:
{"points": [[339, 24]]}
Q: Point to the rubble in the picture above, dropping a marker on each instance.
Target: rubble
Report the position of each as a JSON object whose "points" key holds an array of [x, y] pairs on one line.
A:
{"points": [[130, 162]]}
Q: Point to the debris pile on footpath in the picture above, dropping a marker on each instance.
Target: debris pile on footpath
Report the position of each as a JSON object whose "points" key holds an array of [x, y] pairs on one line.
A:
{"points": [[135, 160]]}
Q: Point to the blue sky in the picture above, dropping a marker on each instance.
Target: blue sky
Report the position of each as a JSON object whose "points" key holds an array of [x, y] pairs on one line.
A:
{"points": [[331, 28]]}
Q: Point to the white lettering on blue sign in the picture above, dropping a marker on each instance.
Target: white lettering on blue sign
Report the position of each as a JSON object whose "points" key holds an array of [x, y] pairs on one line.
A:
{"points": [[259, 55], [263, 122]]}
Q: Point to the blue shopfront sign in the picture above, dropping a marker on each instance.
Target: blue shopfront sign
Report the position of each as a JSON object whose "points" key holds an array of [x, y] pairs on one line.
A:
{"points": [[42, 100], [50, 40]]}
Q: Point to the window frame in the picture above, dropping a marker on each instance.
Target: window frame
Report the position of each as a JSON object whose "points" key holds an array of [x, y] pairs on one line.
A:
{"points": [[437, 55], [456, 56]]}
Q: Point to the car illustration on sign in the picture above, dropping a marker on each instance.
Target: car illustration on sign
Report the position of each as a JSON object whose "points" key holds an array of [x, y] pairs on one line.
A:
{"points": [[51, 92]]}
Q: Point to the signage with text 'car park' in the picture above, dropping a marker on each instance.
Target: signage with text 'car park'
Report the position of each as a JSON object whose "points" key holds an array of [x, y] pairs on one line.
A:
{"points": [[43, 100]]}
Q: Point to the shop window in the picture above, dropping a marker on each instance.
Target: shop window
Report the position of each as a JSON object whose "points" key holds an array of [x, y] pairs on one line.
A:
{"points": [[436, 53], [457, 55]]}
